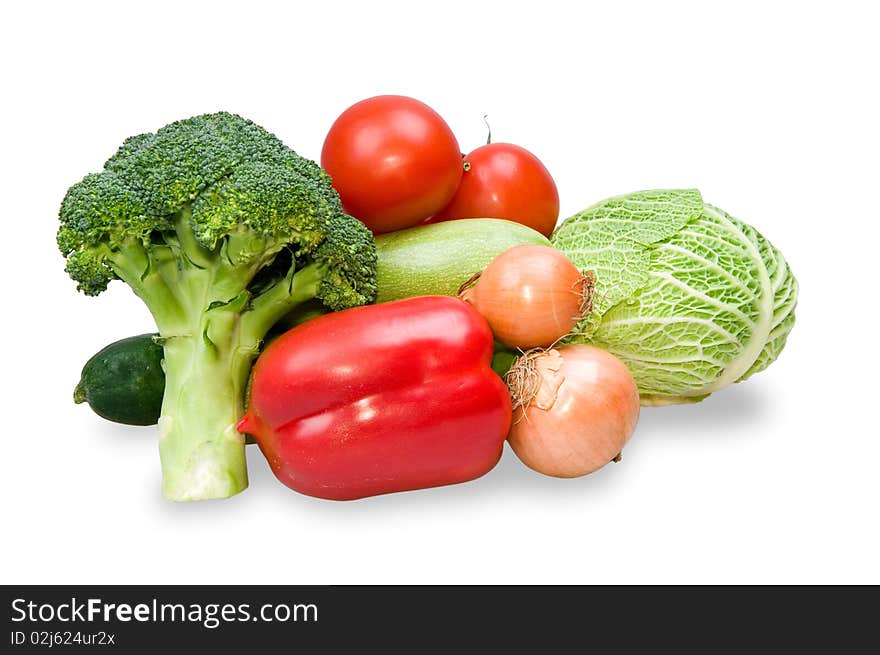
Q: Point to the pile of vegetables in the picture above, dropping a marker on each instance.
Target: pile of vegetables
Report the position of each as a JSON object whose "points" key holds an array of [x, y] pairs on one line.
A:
{"points": [[387, 320]]}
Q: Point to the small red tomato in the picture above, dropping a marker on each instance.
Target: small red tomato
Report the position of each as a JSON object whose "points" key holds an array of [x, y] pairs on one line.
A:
{"points": [[393, 160], [502, 180]]}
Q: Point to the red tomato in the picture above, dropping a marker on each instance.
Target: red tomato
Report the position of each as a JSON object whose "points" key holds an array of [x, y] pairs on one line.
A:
{"points": [[394, 161], [502, 180]]}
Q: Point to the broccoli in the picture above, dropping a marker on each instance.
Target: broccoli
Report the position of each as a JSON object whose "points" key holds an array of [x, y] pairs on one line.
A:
{"points": [[221, 230]]}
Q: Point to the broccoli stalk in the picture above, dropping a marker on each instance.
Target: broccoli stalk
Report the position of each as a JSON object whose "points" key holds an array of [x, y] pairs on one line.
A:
{"points": [[221, 230]]}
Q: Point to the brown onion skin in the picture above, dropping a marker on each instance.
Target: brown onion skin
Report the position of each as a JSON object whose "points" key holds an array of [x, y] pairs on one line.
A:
{"points": [[593, 417], [530, 295]]}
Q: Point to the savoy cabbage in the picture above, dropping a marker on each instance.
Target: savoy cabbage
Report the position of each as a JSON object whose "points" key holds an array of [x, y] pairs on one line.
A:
{"points": [[690, 298]]}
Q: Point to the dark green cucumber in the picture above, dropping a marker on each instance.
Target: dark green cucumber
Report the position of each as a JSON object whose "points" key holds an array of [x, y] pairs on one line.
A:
{"points": [[124, 382]]}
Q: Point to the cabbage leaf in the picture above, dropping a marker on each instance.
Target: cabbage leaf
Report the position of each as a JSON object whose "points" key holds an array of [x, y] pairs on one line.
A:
{"points": [[690, 298]]}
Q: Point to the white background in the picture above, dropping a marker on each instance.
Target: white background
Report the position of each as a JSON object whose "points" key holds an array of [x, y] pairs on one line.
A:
{"points": [[771, 109]]}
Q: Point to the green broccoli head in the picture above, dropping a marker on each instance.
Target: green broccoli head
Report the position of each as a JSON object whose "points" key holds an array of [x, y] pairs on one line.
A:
{"points": [[241, 193], [98, 216], [221, 230]]}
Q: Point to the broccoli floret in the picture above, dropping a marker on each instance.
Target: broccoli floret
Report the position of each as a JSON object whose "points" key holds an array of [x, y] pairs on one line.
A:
{"points": [[221, 230]]}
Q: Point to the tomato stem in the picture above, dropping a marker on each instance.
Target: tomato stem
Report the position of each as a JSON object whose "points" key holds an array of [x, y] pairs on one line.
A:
{"points": [[489, 128]]}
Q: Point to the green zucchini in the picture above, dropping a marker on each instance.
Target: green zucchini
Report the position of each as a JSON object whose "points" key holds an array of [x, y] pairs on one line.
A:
{"points": [[124, 382], [437, 259]]}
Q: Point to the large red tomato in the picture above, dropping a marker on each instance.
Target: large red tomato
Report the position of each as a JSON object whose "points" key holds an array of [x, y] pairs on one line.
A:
{"points": [[502, 180], [394, 161]]}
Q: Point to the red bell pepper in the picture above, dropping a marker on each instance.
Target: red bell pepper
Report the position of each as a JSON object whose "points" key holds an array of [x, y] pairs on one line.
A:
{"points": [[378, 399]]}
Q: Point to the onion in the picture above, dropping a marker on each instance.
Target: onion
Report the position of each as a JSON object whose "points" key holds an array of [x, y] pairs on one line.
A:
{"points": [[575, 408], [530, 295]]}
